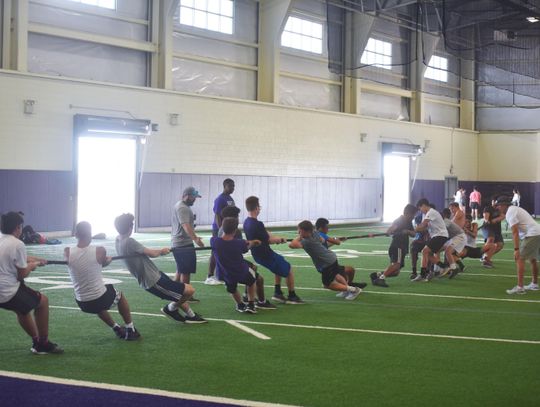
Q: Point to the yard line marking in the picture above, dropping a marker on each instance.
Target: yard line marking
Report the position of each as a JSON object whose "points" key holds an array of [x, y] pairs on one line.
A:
{"points": [[358, 330], [458, 297], [138, 390], [244, 328]]}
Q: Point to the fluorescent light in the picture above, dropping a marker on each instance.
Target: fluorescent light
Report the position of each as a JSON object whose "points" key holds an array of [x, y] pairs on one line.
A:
{"points": [[533, 19]]}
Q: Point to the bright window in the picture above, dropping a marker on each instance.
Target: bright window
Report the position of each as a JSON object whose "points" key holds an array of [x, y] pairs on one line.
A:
{"points": [[110, 4], [377, 53], [302, 34], [437, 69], [213, 15]]}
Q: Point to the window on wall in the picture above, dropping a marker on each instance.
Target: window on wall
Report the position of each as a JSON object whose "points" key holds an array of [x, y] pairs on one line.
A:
{"points": [[377, 53], [437, 69], [302, 34], [213, 15], [110, 4]]}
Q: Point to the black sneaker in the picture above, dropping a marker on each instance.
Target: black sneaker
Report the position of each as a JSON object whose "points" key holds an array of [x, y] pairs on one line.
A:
{"points": [[174, 315], [265, 305], [120, 332], [194, 300], [373, 277], [454, 273], [196, 319], [413, 276], [380, 282], [241, 307], [250, 309], [48, 348], [294, 299], [359, 285], [461, 266], [132, 334], [279, 297]]}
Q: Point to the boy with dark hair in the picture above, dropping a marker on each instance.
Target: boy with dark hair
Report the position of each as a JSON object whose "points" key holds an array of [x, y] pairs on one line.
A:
{"points": [[400, 230], [233, 269], [85, 263], [223, 201], [322, 226], [15, 296], [334, 277], [265, 256], [150, 277], [262, 302]]}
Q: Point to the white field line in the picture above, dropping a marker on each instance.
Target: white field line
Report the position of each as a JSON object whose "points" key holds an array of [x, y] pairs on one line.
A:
{"points": [[137, 390], [244, 328], [357, 330]]}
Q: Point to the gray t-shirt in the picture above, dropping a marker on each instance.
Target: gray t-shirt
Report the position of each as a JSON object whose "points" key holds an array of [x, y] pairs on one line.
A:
{"points": [[181, 214], [321, 256], [453, 228], [142, 268]]}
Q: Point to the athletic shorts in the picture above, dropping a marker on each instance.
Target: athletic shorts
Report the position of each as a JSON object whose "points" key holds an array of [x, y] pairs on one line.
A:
{"points": [[276, 264], [457, 242], [328, 274], [417, 246], [247, 277], [167, 289], [475, 205], [186, 259], [24, 300], [436, 243], [397, 255], [529, 247], [474, 252], [103, 303]]}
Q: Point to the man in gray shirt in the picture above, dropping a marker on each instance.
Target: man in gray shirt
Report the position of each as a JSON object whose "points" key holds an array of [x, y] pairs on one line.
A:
{"points": [[183, 235], [334, 277]]}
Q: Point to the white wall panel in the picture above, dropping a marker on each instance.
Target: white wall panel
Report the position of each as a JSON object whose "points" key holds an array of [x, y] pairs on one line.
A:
{"points": [[298, 92], [441, 115]]}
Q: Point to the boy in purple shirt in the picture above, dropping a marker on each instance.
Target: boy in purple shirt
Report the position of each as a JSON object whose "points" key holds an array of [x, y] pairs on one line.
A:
{"points": [[265, 256], [228, 252], [222, 201]]}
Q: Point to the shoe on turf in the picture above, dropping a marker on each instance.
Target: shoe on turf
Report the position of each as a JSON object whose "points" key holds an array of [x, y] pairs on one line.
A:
{"points": [[429, 276], [294, 299], [532, 287], [211, 280], [445, 271], [132, 334], [380, 282], [48, 348], [174, 315], [413, 276], [279, 297], [265, 305], [351, 295], [196, 319], [193, 300], [516, 290], [120, 332], [461, 266], [359, 285], [419, 277], [241, 307], [342, 294], [453, 273], [373, 276], [487, 264], [250, 309]]}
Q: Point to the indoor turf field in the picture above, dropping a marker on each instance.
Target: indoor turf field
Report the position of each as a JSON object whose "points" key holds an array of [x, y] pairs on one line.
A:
{"points": [[447, 342]]}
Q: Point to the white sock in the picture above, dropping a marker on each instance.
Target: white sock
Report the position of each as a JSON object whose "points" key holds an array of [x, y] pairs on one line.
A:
{"points": [[130, 325], [351, 289], [382, 277], [115, 326], [453, 266], [190, 313], [172, 306]]}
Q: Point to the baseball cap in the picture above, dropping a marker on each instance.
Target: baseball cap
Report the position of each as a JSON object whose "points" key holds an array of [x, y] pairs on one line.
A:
{"points": [[503, 200], [191, 191]]}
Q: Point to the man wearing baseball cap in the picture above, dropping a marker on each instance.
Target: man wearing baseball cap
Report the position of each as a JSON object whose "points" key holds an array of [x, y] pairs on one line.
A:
{"points": [[183, 235], [526, 238]]}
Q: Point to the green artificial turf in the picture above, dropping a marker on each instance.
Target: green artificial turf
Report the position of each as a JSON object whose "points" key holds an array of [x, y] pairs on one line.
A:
{"points": [[302, 363]]}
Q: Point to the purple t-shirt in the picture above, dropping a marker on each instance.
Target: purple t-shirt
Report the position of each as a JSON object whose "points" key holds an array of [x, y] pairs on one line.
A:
{"points": [[255, 230], [221, 202], [229, 256]]}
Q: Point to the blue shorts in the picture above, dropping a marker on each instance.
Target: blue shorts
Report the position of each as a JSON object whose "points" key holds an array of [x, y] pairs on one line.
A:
{"points": [[167, 289], [186, 259], [276, 264]]}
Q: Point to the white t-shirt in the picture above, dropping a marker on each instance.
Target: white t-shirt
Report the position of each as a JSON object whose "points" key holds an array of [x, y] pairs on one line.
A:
{"points": [[12, 256], [457, 197], [436, 226], [527, 226], [85, 273]]}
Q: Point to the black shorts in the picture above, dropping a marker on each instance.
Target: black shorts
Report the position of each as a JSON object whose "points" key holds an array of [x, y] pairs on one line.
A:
{"points": [[397, 255], [475, 205], [436, 243], [474, 252], [24, 300], [103, 303], [167, 289], [328, 274], [417, 246]]}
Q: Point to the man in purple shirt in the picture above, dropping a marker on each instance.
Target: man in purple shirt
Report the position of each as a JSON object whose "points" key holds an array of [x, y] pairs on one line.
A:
{"points": [[228, 252], [265, 256], [223, 200]]}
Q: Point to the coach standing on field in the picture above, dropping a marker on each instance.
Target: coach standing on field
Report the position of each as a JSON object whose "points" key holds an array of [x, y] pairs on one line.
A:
{"points": [[526, 237]]}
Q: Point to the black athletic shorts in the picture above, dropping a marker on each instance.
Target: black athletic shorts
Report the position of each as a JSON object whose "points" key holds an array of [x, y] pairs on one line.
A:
{"points": [[397, 255], [474, 252], [475, 205], [248, 278], [436, 243], [103, 303], [328, 274], [24, 300]]}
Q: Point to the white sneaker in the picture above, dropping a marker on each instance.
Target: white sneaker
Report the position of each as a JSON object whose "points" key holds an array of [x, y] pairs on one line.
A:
{"points": [[353, 294], [212, 281], [532, 287], [342, 294], [516, 290]]}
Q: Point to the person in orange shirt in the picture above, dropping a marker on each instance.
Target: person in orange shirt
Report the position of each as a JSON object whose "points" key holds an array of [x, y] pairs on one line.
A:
{"points": [[475, 198]]}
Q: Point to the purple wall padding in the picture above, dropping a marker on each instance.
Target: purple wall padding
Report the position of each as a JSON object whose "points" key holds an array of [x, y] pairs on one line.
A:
{"points": [[45, 197], [432, 190], [530, 201]]}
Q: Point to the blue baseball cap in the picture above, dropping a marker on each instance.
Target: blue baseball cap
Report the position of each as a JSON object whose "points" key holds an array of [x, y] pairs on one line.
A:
{"points": [[191, 191]]}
